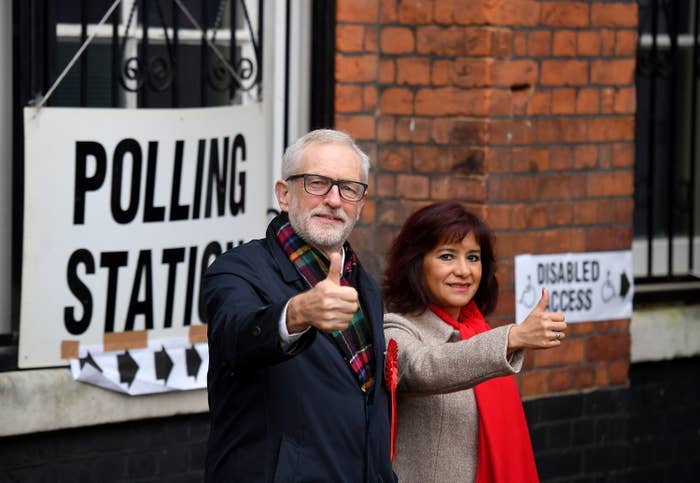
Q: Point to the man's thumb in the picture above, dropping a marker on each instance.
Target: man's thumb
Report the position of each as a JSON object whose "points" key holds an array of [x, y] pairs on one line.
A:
{"points": [[544, 301], [335, 269]]}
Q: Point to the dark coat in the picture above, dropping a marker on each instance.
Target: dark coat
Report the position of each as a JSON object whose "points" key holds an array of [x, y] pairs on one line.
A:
{"points": [[286, 417]]}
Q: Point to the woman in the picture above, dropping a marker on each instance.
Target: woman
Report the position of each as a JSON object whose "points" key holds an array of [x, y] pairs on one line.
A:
{"points": [[458, 420]]}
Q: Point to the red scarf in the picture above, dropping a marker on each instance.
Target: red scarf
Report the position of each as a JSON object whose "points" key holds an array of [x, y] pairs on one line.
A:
{"points": [[505, 452]]}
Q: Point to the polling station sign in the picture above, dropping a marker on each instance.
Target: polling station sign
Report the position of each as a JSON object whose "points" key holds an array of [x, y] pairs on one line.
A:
{"points": [[584, 286], [124, 210]]}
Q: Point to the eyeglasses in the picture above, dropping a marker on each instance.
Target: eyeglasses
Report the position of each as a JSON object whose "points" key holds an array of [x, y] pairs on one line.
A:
{"points": [[318, 185]]}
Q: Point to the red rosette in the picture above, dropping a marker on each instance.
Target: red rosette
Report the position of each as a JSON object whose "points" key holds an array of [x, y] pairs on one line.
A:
{"points": [[391, 377]]}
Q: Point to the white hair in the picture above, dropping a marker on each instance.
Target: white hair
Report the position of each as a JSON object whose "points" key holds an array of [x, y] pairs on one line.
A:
{"points": [[293, 152]]}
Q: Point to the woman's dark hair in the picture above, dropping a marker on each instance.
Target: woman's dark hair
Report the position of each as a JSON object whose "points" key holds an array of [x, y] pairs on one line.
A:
{"points": [[444, 222]]}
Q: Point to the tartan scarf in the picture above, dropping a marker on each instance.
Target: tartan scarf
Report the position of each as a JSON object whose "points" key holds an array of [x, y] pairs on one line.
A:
{"points": [[355, 342], [505, 452]]}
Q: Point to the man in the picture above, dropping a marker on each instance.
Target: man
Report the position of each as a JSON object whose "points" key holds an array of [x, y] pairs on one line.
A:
{"points": [[296, 383]]}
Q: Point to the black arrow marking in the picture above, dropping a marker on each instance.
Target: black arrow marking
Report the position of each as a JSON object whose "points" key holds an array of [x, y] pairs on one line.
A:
{"points": [[194, 361], [624, 285], [89, 360], [127, 368], [164, 365]]}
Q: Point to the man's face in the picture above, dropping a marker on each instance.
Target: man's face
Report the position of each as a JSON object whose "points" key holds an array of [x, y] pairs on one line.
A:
{"points": [[323, 221]]}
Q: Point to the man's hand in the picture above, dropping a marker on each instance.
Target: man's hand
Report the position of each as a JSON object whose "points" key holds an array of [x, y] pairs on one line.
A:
{"points": [[328, 306], [540, 330]]}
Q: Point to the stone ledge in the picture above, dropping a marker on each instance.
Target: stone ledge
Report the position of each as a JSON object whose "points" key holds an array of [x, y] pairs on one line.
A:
{"points": [[664, 333], [50, 399]]}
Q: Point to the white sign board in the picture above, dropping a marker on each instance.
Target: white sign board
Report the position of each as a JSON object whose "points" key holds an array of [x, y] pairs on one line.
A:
{"points": [[124, 210], [583, 286]]}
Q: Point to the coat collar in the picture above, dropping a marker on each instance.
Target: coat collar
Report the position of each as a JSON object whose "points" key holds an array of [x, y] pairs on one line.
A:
{"points": [[433, 327]]}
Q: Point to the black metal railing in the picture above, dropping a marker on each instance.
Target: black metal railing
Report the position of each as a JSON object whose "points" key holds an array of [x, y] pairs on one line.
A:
{"points": [[667, 158]]}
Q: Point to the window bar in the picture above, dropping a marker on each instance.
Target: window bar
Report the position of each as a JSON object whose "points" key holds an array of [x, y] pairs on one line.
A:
{"points": [[672, 23], [233, 27], [693, 149], [651, 138], [84, 57], [144, 67], [259, 52], [116, 60], [175, 91], [204, 60]]}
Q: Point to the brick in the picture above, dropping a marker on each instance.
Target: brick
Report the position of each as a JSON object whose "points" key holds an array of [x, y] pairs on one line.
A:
{"points": [[584, 377], [433, 159], [540, 103], [511, 188], [413, 71], [563, 129], [611, 129], [361, 127], [614, 14], [585, 156], [414, 130], [623, 155], [499, 216], [348, 98], [387, 71], [560, 214], [565, 14], [518, 12], [369, 212], [588, 43], [563, 101], [397, 40], [531, 159], [622, 210], [499, 160], [626, 43], [617, 183], [356, 68], [468, 188], [520, 43], [356, 11], [440, 72], [412, 186], [612, 72], [387, 11], [386, 185], [601, 375], [529, 216], [349, 38], [564, 72], [472, 72], [513, 72], [618, 373], [570, 352], [512, 132], [559, 187], [396, 100], [564, 43], [609, 238], [415, 13], [560, 241], [394, 158], [453, 102], [534, 383], [625, 101], [371, 43], [539, 43], [561, 158], [493, 42], [607, 42], [369, 98], [560, 380], [588, 101], [586, 212], [386, 129], [394, 212], [607, 100]]}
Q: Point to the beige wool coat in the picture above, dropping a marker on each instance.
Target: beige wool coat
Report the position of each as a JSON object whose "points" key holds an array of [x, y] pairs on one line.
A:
{"points": [[437, 418]]}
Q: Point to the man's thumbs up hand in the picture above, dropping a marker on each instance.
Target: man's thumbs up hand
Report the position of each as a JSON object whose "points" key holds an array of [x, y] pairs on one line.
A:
{"points": [[328, 306]]}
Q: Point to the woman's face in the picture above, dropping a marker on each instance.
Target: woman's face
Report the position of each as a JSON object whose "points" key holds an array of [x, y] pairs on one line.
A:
{"points": [[452, 272]]}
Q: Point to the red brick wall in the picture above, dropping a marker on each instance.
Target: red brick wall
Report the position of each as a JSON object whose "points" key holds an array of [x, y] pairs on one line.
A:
{"points": [[521, 109]]}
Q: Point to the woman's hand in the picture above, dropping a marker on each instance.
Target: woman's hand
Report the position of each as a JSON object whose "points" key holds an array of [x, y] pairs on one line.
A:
{"points": [[539, 330]]}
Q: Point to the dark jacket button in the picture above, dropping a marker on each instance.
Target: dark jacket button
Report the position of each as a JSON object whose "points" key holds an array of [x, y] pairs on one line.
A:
{"points": [[256, 331]]}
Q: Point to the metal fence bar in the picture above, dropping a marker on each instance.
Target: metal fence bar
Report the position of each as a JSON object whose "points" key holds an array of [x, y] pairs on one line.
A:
{"points": [[116, 59], [651, 138], [693, 150], [84, 57], [204, 60], [673, 30], [144, 67], [175, 89]]}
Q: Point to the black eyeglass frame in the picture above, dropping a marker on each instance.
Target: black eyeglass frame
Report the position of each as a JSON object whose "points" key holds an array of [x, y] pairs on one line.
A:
{"points": [[332, 182]]}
